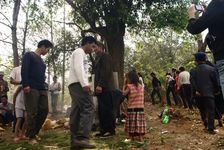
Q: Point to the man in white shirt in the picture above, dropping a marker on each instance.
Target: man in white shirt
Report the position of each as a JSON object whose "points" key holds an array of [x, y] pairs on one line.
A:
{"points": [[54, 89], [81, 116], [185, 87]]}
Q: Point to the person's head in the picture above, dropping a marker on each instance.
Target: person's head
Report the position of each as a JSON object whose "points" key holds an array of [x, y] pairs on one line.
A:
{"points": [[152, 74], [173, 70], [88, 44], [1, 75], [168, 75], [44, 46], [177, 72], [4, 99], [181, 69], [200, 57], [139, 74], [133, 78], [99, 48], [55, 78]]}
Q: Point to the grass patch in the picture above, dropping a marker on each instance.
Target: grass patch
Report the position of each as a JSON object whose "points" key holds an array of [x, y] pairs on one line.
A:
{"points": [[60, 139], [50, 140], [117, 142]]}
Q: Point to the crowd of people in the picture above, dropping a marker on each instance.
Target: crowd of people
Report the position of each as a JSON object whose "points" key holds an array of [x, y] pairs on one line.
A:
{"points": [[201, 87]]}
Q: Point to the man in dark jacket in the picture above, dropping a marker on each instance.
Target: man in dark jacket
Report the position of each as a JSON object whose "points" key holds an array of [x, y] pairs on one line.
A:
{"points": [[204, 85], [156, 85], [213, 20], [104, 87], [35, 93]]}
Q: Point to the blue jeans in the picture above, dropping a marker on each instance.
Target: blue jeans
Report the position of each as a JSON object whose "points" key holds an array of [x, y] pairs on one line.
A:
{"points": [[220, 68]]}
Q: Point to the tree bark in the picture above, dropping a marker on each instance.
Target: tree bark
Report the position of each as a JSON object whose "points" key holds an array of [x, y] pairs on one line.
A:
{"points": [[14, 33], [116, 50], [201, 44]]}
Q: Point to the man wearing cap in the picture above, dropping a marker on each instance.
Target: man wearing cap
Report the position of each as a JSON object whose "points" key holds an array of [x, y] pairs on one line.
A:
{"points": [[213, 20], [3, 85], [204, 85]]}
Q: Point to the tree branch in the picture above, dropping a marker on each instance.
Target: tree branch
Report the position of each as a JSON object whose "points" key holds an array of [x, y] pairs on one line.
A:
{"points": [[70, 23], [7, 36], [6, 18], [70, 2], [5, 42], [102, 31], [5, 24], [89, 20]]}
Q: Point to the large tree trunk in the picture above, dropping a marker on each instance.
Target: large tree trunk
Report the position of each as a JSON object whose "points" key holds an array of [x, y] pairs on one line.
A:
{"points": [[14, 34], [116, 50], [201, 45]]}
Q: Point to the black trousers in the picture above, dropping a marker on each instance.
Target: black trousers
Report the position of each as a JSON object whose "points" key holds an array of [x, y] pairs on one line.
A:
{"points": [[206, 107], [106, 112], [36, 104], [154, 92], [186, 95], [168, 91]]}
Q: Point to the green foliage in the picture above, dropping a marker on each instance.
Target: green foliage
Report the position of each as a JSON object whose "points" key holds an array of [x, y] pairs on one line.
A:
{"points": [[55, 57], [131, 13], [174, 17], [163, 50]]}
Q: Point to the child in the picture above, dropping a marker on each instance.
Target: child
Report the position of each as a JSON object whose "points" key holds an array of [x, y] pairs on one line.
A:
{"points": [[19, 106], [135, 121], [20, 112]]}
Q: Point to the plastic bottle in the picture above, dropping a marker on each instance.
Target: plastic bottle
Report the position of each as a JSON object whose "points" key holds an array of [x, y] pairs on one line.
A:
{"points": [[165, 112], [166, 119]]}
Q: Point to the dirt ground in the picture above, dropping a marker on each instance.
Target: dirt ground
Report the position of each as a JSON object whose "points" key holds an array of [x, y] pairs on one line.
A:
{"points": [[183, 132]]}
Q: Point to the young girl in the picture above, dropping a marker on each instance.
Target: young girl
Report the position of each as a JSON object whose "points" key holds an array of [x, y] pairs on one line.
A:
{"points": [[135, 121]]}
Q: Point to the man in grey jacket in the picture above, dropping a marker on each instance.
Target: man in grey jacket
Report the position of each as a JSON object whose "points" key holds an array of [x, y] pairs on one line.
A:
{"points": [[204, 86]]}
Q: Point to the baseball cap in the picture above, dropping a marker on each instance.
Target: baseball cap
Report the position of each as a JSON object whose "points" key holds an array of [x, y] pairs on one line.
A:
{"points": [[200, 56]]}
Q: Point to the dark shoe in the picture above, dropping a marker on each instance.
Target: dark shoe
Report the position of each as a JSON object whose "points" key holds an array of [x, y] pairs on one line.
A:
{"points": [[99, 134], [82, 144], [211, 131], [107, 135]]}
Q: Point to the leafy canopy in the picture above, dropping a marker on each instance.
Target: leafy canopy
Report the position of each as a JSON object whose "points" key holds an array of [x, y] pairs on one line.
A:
{"points": [[118, 14]]}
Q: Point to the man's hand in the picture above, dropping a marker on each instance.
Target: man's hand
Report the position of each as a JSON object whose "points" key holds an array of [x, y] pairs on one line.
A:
{"points": [[191, 11], [27, 89], [86, 89], [98, 89]]}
